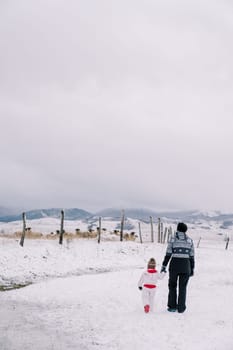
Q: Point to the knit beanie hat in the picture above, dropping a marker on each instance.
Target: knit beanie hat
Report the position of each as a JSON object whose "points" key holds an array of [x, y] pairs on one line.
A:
{"points": [[181, 227], [151, 263]]}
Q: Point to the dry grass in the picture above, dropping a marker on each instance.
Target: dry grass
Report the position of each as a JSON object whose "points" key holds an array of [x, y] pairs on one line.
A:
{"points": [[66, 236], [129, 237], [28, 235], [86, 234]]}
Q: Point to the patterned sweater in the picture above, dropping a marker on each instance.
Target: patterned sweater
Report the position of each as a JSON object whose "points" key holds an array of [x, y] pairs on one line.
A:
{"points": [[180, 253]]}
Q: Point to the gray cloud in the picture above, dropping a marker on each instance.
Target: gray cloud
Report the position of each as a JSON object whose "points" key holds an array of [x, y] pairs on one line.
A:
{"points": [[116, 103]]}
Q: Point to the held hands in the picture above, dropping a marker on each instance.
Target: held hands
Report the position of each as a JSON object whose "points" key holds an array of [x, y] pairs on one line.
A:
{"points": [[140, 288], [163, 269]]}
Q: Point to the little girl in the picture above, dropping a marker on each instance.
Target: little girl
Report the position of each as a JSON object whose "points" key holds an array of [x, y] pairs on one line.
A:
{"points": [[148, 284]]}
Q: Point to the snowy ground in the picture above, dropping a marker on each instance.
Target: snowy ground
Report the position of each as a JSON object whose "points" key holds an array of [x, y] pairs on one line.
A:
{"points": [[84, 296]]}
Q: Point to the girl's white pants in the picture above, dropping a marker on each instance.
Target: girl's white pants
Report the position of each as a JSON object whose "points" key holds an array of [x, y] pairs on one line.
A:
{"points": [[148, 295]]}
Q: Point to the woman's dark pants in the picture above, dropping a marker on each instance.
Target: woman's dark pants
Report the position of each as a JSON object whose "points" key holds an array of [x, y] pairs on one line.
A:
{"points": [[182, 280]]}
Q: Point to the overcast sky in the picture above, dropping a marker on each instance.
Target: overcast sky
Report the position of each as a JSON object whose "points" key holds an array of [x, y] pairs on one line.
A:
{"points": [[116, 103]]}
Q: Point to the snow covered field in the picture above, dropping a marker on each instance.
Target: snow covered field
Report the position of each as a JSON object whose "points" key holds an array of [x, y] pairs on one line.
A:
{"points": [[84, 296]]}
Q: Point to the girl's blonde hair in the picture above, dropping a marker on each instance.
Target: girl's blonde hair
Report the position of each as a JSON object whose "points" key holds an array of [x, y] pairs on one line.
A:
{"points": [[151, 263]]}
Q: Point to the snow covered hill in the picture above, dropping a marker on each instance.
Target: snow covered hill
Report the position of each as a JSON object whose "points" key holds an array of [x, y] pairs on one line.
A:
{"points": [[142, 214], [70, 214], [199, 225]]}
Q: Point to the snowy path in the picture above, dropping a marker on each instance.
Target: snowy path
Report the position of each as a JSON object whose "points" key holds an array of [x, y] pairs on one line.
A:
{"points": [[104, 312]]}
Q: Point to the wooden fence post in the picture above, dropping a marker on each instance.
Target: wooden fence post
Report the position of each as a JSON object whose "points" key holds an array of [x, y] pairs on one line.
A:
{"points": [[152, 229], [61, 228], [24, 230], [99, 230], [169, 234], [165, 235], [198, 243], [140, 232], [161, 233], [159, 229], [122, 225]]}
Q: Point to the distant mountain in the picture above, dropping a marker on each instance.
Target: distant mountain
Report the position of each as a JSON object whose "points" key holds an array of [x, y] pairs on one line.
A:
{"points": [[114, 214], [133, 213], [189, 216], [144, 214], [4, 211], [70, 214]]}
